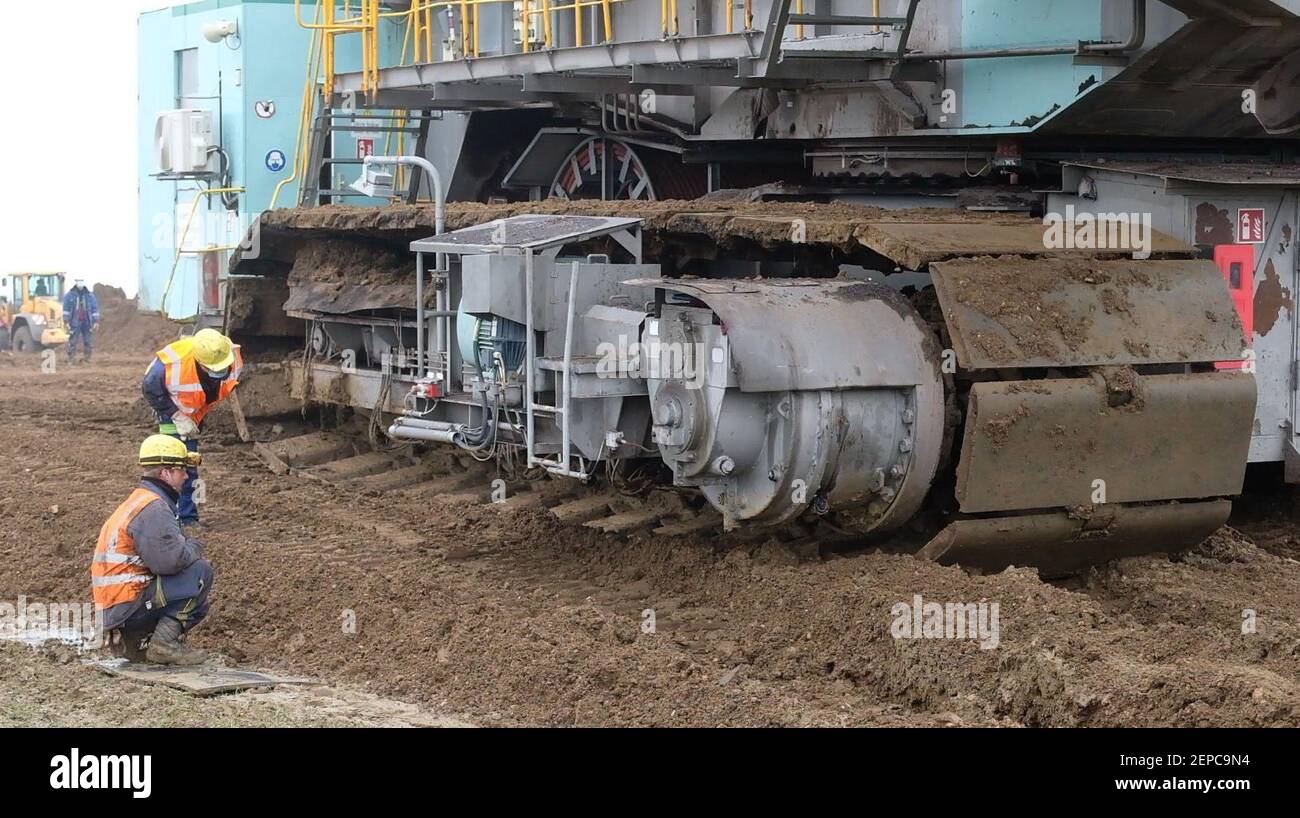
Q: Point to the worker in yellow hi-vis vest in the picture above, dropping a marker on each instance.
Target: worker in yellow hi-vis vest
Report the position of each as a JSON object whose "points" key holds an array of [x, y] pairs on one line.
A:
{"points": [[184, 381]]}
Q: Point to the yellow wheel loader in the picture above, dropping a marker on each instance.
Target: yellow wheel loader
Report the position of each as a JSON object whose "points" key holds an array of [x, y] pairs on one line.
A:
{"points": [[31, 311]]}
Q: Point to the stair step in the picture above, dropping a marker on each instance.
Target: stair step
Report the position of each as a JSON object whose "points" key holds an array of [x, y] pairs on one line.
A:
{"points": [[811, 19]]}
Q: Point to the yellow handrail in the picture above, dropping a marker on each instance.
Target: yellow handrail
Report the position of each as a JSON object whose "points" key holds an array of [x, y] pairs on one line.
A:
{"points": [[180, 245], [330, 23], [419, 37], [304, 115]]}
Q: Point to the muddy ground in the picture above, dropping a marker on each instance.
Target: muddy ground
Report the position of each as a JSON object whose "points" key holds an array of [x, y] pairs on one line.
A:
{"points": [[508, 617]]}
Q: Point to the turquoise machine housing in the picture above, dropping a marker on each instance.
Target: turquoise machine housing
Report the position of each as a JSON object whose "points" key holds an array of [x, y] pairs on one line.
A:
{"points": [[253, 85]]}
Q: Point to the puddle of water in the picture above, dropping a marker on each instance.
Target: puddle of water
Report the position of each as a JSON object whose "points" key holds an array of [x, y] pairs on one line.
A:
{"points": [[83, 640]]}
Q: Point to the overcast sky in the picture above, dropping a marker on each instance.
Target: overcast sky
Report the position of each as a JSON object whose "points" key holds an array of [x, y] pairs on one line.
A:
{"points": [[69, 138]]}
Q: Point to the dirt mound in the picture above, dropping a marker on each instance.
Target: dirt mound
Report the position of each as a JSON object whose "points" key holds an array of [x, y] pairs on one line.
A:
{"points": [[124, 329]]}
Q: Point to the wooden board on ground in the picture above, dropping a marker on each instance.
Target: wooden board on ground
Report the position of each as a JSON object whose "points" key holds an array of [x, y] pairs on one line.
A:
{"points": [[197, 681]]}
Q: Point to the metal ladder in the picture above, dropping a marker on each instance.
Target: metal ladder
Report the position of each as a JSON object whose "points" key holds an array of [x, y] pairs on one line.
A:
{"points": [[322, 185], [562, 465], [782, 17]]}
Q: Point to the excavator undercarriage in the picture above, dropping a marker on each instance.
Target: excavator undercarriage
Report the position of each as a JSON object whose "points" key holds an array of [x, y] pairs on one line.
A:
{"points": [[863, 370]]}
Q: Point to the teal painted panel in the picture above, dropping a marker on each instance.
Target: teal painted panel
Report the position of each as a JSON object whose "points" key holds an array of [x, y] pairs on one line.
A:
{"points": [[268, 63], [1006, 92]]}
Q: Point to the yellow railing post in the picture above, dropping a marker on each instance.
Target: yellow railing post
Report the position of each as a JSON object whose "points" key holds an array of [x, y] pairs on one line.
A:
{"points": [[524, 16], [546, 23], [464, 28], [577, 22], [180, 245], [477, 3], [609, 23]]}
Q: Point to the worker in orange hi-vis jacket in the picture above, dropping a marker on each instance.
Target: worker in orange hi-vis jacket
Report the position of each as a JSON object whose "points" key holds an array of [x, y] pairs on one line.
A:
{"points": [[186, 379], [148, 580]]}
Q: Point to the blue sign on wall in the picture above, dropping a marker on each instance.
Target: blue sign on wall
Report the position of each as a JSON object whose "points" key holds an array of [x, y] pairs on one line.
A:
{"points": [[275, 161]]}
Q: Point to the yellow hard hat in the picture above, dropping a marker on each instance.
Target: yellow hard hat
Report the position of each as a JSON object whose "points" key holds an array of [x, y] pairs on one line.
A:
{"points": [[213, 350], [164, 450]]}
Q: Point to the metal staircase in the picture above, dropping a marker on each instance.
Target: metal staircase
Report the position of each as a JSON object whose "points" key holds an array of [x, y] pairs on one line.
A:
{"points": [[324, 184], [786, 13]]}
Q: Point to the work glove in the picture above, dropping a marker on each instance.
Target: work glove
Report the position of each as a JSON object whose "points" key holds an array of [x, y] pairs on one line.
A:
{"points": [[185, 427], [95, 327]]}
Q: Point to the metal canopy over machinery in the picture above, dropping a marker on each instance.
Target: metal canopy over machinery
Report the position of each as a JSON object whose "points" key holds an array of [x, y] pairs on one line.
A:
{"points": [[533, 234]]}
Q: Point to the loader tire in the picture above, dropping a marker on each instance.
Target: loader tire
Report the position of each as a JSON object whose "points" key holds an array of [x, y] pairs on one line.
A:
{"points": [[23, 341], [4, 339]]}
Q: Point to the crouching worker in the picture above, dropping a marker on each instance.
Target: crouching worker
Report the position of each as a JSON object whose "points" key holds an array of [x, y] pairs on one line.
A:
{"points": [[148, 579]]}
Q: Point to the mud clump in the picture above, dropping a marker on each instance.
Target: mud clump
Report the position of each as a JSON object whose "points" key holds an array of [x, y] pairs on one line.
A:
{"points": [[998, 429], [1123, 388], [1018, 294], [1227, 545]]}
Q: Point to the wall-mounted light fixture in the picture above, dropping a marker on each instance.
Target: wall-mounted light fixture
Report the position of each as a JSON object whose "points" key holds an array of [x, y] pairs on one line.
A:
{"points": [[222, 30]]}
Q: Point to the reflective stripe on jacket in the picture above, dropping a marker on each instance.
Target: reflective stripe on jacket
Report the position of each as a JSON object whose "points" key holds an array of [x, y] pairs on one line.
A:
{"points": [[183, 384], [117, 573]]}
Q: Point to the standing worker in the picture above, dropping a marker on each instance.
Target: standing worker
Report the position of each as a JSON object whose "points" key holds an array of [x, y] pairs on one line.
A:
{"points": [[147, 578], [182, 384], [81, 312]]}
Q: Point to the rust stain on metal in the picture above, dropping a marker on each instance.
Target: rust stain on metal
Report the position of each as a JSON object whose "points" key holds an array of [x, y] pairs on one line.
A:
{"points": [[1270, 299], [1213, 225]]}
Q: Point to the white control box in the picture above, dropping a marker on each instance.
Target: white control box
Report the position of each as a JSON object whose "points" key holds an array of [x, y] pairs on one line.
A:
{"points": [[182, 140]]}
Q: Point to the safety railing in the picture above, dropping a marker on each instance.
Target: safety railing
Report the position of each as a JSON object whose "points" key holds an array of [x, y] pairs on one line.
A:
{"points": [[336, 18], [537, 23], [201, 195]]}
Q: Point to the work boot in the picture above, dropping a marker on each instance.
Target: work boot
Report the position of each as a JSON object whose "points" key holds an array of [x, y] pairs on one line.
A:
{"points": [[135, 645], [166, 647]]}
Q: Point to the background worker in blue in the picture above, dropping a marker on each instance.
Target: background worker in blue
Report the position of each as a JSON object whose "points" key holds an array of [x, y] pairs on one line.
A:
{"points": [[81, 312], [186, 379]]}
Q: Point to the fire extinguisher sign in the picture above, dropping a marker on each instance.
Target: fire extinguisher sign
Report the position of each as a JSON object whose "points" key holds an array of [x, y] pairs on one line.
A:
{"points": [[366, 147], [1250, 225]]}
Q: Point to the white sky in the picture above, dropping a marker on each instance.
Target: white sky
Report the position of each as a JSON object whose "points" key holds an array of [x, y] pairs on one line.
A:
{"points": [[69, 138]]}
